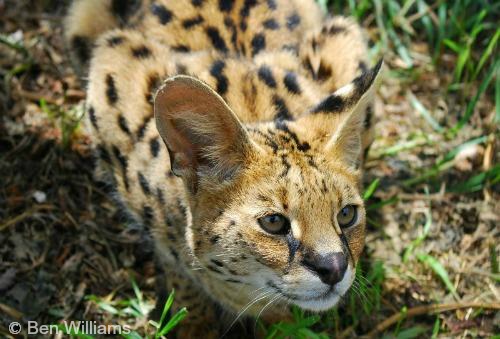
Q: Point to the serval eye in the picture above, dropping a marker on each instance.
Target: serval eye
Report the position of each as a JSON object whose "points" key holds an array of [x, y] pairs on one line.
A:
{"points": [[274, 224], [347, 216]]}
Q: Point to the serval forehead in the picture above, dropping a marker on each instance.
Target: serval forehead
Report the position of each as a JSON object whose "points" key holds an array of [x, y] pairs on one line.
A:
{"points": [[294, 175], [281, 137]]}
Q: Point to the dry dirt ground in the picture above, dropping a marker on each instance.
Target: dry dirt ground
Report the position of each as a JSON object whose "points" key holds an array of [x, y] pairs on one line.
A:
{"points": [[62, 240]]}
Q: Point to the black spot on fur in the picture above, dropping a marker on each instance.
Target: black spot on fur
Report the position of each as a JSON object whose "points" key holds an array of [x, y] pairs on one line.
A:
{"points": [[216, 39], [115, 41], [81, 46], [214, 269], [197, 3], [144, 183], [217, 262], [362, 66], [266, 75], [163, 14], [142, 128], [214, 239], [123, 163], [335, 103], [181, 68], [141, 52], [293, 246], [111, 92], [314, 44], [365, 80], [282, 125], [233, 281], [229, 23], [258, 43], [181, 48], [243, 49], [272, 4], [311, 162], [119, 7], [271, 24], [324, 189], [226, 5], [154, 82], [268, 140], [304, 147], [160, 196], [287, 165], [188, 23], [122, 122], [92, 117], [103, 154], [121, 159], [291, 83], [334, 29], [307, 65], [292, 21], [154, 147], [174, 254], [216, 70], [324, 71], [332, 104], [147, 215], [123, 9], [282, 111], [247, 6]]}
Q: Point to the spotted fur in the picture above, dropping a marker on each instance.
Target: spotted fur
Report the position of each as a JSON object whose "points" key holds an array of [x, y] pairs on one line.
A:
{"points": [[261, 108]]}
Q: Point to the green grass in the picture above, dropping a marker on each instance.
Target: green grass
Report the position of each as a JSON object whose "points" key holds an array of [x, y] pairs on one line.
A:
{"points": [[134, 309], [67, 122], [468, 31]]}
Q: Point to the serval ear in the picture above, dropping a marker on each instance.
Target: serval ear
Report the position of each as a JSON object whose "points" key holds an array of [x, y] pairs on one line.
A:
{"points": [[348, 105], [202, 134]]}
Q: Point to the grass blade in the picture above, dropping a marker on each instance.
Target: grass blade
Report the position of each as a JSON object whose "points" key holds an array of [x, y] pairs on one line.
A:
{"points": [[487, 53], [371, 189], [493, 259], [417, 105], [166, 308], [478, 181], [435, 328], [382, 203], [497, 96], [415, 243], [412, 332], [177, 318], [446, 162], [440, 272], [472, 104]]}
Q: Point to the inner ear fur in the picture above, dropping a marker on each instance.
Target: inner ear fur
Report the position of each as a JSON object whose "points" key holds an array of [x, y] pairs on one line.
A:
{"points": [[202, 134]]}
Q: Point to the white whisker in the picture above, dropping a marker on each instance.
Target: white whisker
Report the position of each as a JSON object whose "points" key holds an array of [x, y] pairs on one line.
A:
{"points": [[275, 298], [260, 297]]}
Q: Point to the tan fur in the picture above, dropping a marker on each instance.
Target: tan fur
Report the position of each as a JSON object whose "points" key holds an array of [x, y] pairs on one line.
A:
{"points": [[284, 134]]}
